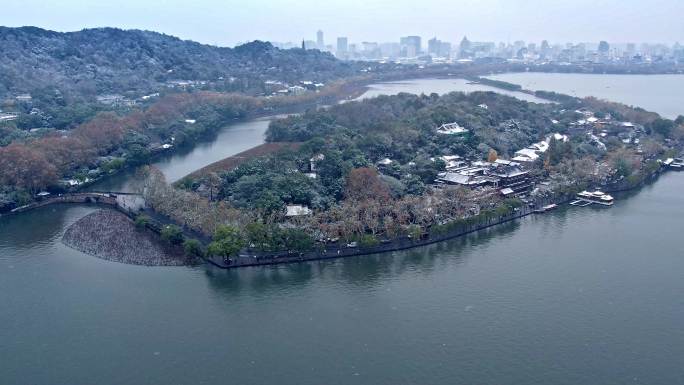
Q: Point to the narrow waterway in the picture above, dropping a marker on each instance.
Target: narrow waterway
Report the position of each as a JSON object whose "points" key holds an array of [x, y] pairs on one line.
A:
{"points": [[575, 296], [230, 140]]}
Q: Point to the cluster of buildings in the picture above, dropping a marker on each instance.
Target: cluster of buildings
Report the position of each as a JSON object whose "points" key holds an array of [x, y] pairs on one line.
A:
{"points": [[598, 129], [534, 151], [118, 100], [413, 49], [509, 177], [186, 84], [115, 100], [7, 116], [451, 129], [512, 177], [22, 99], [276, 87]]}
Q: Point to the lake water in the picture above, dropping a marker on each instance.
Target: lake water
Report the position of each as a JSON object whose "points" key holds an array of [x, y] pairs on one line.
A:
{"points": [[230, 140], [576, 296], [439, 86], [659, 93]]}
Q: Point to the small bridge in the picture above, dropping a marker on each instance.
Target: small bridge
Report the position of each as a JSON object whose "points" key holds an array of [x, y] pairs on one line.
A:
{"points": [[111, 193], [127, 202]]}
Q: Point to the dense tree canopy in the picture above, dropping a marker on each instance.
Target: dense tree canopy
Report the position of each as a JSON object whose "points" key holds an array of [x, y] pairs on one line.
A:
{"points": [[227, 241], [91, 62]]}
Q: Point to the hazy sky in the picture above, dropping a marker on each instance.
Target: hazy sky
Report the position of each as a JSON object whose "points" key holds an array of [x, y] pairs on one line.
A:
{"points": [[229, 22]]}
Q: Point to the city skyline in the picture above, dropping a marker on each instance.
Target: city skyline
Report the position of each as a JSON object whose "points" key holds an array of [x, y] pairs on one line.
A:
{"points": [[417, 50], [231, 23], [330, 41]]}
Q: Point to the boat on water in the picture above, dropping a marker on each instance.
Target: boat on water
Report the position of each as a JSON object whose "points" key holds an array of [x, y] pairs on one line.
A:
{"points": [[676, 164], [596, 197], [546, 208]]}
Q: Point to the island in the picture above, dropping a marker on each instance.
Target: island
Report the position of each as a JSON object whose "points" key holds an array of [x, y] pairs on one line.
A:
{"points": [[395, 172]]}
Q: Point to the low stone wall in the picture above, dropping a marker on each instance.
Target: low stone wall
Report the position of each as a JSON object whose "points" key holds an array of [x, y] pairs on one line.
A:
{"points": [[341, 251]]}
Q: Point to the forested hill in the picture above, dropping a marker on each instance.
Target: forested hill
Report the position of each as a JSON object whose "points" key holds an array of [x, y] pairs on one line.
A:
{"points": [[113, 61]]}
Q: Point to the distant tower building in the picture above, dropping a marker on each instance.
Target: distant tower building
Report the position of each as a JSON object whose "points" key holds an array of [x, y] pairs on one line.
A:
{"points": [[391, 50], [371, 50], [545, 49], [631, 48], [603, 51], [434, 46], [342, 46], [410, 46], [445, 49], [520, 54], [319, 40], [303, 44], [438, 48], [464, 48]]}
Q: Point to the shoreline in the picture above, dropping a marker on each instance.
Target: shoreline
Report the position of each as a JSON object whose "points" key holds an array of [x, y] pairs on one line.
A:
{"points": [[339, 252], [399, 244], [260, 258]]}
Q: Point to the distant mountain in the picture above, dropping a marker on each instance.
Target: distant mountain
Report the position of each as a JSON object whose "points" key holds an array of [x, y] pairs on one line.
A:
{"points": [[113, 61]]}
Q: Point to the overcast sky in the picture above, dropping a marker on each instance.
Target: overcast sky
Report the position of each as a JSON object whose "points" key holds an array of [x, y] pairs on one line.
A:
{"points": [[228, 22]]}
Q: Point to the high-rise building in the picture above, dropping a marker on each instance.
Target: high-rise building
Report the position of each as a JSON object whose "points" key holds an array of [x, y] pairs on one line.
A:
{"points": [[434, 46], [545, 49], [390, 50], [369, 45], [342, 45], [518, 45], [410, 46], [631, 48], [319, 40], [371, 50], [438, 48], [464, 48], [445, 49]]}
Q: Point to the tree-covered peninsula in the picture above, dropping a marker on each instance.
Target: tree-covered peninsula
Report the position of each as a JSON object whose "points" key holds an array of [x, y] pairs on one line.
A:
{"points": [[369, 172]]}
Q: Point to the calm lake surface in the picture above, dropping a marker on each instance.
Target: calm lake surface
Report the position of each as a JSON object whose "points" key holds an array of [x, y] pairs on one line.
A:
{"points": [[659, 93], [230, 140], [576, 296], [439, 86]]}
